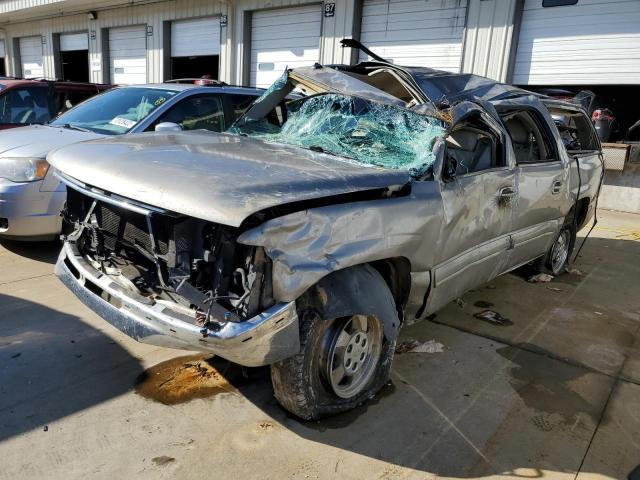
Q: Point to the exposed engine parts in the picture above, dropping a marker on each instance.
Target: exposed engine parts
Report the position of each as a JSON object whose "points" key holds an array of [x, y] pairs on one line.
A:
{"points": [[197, 266]]}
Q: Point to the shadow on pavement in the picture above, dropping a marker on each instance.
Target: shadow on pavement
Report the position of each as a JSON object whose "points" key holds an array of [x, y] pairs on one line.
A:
{"points": [[40, 251], [52, 365], [485, 408]]}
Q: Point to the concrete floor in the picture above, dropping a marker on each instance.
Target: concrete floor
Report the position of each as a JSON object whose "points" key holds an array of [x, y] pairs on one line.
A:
{"points": [[555, 394]]}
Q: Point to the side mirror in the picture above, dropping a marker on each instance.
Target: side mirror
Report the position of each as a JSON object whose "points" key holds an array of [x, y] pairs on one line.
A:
{"points": [[168, 127], [450, 169]]}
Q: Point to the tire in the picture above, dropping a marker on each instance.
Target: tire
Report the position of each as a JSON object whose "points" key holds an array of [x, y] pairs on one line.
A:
{"points": [[303, 383], [556, 259]]}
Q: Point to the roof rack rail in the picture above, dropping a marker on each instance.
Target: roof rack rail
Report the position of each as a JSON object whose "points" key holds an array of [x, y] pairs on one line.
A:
{"points": [[201, 81]]}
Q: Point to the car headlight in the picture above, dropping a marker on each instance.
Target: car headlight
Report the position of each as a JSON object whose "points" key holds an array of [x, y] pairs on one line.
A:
{"points": [[24, 169]]}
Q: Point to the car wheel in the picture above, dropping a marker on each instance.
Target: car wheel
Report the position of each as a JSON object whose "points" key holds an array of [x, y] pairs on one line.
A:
{"points": [[342, 363], [556, 259]]}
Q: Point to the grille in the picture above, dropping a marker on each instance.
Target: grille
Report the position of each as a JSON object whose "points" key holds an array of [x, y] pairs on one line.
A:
{"points": [[131, 227]]}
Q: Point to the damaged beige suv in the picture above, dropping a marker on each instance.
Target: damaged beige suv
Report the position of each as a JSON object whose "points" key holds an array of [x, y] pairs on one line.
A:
{"points": [[308, 234]]}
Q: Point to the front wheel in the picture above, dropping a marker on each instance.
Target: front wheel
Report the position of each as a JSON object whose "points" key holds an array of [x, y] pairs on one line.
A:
{"points": [[342, 363]]}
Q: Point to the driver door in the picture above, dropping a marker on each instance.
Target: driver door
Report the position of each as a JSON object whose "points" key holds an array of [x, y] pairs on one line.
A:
{"points": [[477, 188]]}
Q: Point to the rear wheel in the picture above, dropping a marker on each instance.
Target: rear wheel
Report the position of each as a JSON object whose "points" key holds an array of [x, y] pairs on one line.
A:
{"points": [[342, 363], [557, 258]]}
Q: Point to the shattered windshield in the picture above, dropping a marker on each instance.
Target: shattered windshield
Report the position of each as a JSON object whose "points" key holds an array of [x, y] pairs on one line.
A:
{"points": [[366, 132]]}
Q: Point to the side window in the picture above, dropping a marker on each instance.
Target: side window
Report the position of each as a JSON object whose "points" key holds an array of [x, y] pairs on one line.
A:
{"points": [[474, 148], [576, 130], [196, 112], [239, 104], [25, 106], [66, 99], [529, 142]]}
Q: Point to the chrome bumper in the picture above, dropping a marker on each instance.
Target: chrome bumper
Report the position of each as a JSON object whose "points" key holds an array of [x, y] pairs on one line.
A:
{"points": [[268, 337]]}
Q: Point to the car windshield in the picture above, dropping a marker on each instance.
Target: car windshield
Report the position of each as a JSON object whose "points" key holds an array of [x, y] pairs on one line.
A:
{"points": [[116, 111], [362, 131]]}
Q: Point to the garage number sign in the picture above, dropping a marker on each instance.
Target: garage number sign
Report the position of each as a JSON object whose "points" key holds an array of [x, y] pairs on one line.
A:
{"points": [[329, 9]]}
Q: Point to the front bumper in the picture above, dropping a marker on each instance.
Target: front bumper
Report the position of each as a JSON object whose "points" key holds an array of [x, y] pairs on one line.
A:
{"points": [[30, 213], [268, 337]]}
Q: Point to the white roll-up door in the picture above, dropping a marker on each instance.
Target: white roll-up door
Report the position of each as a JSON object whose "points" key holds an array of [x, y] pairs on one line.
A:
{"points": [[281, 38], [31, 56], [73, 41], [2, 49], [195, 37], [415, 33], [591, 42], [128, 54]]}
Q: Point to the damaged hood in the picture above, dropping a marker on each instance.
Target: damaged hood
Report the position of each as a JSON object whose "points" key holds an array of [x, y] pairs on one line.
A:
{"points": [[222, 178], [38, 140]]}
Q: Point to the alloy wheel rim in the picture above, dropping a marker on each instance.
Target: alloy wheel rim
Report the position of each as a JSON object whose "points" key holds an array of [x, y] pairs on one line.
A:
{"points": [[560, 252], [354, 351]]}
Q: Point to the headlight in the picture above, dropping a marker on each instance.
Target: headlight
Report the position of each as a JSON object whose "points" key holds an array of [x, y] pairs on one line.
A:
{"points": [[23, 169]]}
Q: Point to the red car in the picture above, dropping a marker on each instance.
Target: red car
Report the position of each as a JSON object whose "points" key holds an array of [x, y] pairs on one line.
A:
{"points": [[28, 102]]}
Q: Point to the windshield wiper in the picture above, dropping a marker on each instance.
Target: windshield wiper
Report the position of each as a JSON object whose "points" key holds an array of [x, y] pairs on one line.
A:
{"points": [[75, 127]]}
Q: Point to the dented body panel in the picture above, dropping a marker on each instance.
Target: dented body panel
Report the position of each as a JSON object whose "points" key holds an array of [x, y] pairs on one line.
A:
{"points": [[455, 224], [214, 176]]}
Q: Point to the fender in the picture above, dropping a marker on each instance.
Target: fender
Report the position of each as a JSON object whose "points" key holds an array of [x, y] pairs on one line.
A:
{"points": [[355, 290]]}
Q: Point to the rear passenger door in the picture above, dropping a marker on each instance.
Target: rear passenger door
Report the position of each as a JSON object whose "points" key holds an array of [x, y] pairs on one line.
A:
{"points": [[542, 193]]}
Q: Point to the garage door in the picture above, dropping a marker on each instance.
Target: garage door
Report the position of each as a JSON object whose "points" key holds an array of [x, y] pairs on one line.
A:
{"points": [[196, 37], [31, 56], [128, 54], [70, 42], [592, 42], [281, 38], [414, 32]]}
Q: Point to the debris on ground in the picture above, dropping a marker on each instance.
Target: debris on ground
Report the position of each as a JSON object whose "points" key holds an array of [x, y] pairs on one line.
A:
{"points": [[414, 346], [555, 289], [493, 317], [16, 355], [460, 302], [491, 287], [483, 304], [540, 278], [163, 460], [266, 426], [574, 271]]}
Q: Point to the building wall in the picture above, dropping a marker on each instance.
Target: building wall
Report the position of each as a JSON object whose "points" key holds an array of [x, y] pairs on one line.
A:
{"points": [[591, 42], [484, 50], [492, 27], [493, 31], [151, 15], [334, 29]]}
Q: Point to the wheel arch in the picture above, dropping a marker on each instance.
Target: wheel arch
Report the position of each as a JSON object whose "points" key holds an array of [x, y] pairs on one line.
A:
{"points": [[360, 289]]}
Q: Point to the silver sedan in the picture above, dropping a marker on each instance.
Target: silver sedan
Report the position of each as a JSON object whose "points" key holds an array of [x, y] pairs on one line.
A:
{"points": [[31, 197]]}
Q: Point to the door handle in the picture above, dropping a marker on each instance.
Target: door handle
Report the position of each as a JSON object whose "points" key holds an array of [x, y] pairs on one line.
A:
{"points": [[555, 188], [506, 192]]}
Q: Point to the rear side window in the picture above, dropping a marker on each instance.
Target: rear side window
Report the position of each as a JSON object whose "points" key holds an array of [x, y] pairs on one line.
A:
{"points": [[196, 113], [66, 99], [529, 139], [576, 130], [24, 106]]}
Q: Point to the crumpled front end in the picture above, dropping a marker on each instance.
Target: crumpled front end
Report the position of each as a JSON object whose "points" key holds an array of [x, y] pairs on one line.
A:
{"points": [[173, 281]]}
